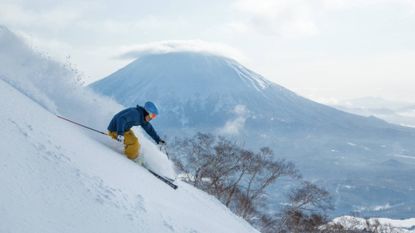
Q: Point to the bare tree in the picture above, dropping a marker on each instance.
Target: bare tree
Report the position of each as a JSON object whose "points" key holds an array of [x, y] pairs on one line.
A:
{"points": [[236, 176], [306, 212], [194, 156], [263, 171]]}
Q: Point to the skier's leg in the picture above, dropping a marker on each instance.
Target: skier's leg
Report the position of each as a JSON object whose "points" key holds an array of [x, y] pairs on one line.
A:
{"points": [[132, 146]]}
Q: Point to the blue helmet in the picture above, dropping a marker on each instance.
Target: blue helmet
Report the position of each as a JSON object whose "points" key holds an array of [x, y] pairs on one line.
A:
{"points": [[150, 107]]}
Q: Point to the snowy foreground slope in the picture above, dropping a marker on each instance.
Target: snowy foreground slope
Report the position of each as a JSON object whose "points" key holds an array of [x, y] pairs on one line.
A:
{"points": [[55, 177]]}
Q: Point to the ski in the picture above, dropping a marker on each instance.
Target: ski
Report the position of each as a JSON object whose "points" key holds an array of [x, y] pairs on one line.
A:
{"points": [[166, 180]]}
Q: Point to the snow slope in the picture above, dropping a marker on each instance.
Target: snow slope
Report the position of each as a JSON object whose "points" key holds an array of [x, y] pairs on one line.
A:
{"points": [[56, 177]]}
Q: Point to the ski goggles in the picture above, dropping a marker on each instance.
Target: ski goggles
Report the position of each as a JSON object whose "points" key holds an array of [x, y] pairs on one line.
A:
{"points": [[152, 115]]}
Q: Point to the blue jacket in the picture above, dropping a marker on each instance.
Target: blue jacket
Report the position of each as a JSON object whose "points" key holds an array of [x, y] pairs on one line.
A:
{"points": [[124, 120]]}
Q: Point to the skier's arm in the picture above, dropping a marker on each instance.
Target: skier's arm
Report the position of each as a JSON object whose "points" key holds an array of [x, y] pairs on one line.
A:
{"points": [[150, 131]]}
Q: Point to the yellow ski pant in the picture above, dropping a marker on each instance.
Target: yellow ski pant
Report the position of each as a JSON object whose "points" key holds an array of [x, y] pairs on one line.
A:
{"points": [[131, 144]]}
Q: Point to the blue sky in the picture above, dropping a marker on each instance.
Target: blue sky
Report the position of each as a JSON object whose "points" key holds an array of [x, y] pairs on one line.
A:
{"points": [[326, 50]]}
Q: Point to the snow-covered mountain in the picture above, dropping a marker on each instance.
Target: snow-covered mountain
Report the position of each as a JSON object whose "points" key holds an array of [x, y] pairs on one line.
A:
{"points": [[57, 177], [366, 162], [188, 83]]}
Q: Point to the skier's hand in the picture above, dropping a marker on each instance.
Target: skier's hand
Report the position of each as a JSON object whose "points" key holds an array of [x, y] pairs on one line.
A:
{"points": [[120, 138], [162, 142], [113, 135]]}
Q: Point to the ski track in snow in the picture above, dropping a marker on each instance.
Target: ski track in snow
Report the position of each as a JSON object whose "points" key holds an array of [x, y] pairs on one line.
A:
{"points": [[55, 155]]}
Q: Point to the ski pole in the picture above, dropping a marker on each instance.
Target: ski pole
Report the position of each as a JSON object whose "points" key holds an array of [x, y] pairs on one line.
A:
{"points": [[73, 122], [163, 148]]}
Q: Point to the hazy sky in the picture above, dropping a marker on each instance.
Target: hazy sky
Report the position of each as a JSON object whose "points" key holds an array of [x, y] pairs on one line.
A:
{"points": [[326, 50]]}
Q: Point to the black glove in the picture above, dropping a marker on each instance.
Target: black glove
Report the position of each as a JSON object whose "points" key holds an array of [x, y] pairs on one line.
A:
{"points": [[162, 142]]}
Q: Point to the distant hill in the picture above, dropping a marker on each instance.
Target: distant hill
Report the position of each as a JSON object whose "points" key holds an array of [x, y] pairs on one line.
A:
{"points": [[401, 113]]}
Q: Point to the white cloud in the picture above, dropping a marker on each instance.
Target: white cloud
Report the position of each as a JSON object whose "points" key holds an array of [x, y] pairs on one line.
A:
{"points": [[234, 126], [287, 18], [57, 17], [161, 47], [294, 18], [341, 4]]}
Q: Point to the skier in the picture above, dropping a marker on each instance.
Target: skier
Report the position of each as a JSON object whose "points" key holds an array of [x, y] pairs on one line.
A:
{"points": [[121, 124]]}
